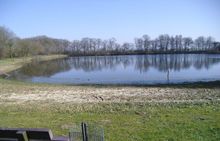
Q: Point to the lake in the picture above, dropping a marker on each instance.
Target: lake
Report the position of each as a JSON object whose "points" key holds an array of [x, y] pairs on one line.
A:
{"points": [[124, 69]]}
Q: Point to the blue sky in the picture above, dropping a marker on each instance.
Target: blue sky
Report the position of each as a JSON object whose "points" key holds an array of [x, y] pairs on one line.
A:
{"points": [[122, 19]]}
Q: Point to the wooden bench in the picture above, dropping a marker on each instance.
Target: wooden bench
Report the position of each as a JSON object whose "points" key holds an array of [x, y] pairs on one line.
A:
{"points": [[29, 134]]}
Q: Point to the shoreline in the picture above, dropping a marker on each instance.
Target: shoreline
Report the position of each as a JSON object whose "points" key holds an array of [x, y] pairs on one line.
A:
{"points": [[198, 84], [16, 92], [144, 53]]}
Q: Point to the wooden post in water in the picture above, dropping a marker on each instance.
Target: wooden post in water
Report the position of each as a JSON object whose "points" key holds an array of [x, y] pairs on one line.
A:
{"points": [[168, 76]]}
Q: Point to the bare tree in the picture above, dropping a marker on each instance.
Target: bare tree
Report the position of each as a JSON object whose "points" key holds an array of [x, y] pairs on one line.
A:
{"points": [[164, 42], [210, 43], [139, 43], [187, 41], [172, 43], [200, 43], [146, 42], [7, 39]]}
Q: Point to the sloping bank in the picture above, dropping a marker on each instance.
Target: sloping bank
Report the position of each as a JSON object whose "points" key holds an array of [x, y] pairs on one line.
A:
{"points": [[125, 113]]}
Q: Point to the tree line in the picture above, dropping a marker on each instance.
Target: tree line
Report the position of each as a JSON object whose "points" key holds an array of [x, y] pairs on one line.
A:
{"points": [[144, 45], [13, 46]]}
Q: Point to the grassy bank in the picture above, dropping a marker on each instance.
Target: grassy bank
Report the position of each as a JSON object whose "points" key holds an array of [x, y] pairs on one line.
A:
{"points": [[194, 116], [128, 121], [8, 65]]}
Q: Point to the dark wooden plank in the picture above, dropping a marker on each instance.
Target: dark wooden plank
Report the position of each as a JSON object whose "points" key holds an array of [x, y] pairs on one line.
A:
{"points": [[7, 139], [22, 136], [29, 134]]}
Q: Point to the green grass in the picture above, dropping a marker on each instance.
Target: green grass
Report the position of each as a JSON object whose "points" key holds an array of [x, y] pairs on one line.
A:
{"points": [[122, 122]]}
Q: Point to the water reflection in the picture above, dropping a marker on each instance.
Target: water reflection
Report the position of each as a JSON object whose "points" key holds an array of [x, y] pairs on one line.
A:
{"points": [[121, 69], [143, 62], [41, 69], [98, 63]]}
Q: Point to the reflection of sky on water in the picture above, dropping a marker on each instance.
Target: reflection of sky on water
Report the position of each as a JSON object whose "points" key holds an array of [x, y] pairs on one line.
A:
{"points": [[143, 69]]}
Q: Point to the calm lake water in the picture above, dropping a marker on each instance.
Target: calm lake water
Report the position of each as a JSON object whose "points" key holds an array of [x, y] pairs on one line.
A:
{"points": [[130, 69]]}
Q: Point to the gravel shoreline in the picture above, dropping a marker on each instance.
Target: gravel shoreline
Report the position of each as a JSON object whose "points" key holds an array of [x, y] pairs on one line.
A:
{"points": [[20, 93]]}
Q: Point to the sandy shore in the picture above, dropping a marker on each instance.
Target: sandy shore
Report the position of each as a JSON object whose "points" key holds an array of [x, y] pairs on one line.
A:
{"points": [[15, 92]]}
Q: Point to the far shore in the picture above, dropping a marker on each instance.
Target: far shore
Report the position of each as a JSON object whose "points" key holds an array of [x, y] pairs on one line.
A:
{"points": [[144, 53]]}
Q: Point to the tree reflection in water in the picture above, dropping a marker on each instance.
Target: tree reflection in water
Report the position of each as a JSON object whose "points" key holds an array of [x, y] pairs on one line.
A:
{"points": [[139, 64], [46, 69], [142, 63]]}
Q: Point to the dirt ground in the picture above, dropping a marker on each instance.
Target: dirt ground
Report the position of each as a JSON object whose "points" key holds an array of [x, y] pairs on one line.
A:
{"points": [[15, 93]]}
